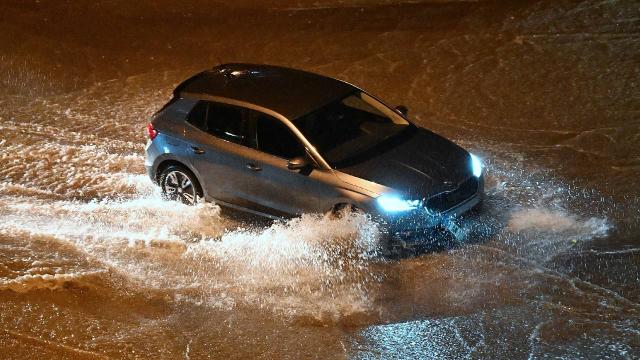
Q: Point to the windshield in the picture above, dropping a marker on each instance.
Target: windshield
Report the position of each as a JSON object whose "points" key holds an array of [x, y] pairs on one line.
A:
{"points": [[350, 127]]}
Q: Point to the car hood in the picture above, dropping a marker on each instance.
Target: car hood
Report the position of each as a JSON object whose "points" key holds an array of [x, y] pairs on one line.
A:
{"points": [[422, 165]]}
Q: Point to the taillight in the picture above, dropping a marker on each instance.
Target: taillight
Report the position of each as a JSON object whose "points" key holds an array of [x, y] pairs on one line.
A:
{"points": [[151, 131]]}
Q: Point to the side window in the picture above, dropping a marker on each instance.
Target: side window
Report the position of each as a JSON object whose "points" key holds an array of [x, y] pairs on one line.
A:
{"points": [[198, 115], [226, 122], [275, 138], [221, 120]]}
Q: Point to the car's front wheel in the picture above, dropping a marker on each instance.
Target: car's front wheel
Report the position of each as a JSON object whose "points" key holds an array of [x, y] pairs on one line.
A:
{"points": [[179, 184], [339, 211]]}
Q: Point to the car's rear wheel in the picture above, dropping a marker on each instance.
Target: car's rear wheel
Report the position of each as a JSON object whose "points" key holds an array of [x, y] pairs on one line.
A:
{"points": [[179, 184]]}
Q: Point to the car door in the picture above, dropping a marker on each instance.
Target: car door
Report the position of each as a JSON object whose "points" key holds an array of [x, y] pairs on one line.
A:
{"points": [[217, 134], [273, 187]]}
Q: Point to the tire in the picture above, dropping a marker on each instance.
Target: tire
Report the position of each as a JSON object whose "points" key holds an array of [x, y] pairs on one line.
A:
{"points": [[340, 210], [179, 184]]}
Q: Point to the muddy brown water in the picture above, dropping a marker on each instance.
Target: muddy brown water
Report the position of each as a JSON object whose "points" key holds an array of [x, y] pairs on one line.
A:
{"points": [[94, 264]]}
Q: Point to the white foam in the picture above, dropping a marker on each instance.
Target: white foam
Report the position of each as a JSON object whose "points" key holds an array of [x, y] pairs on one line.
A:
{"points": [[26, 283], [550, 220]]}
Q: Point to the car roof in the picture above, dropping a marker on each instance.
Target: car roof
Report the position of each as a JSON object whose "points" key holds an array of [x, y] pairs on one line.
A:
{"points": [[289, 92]]}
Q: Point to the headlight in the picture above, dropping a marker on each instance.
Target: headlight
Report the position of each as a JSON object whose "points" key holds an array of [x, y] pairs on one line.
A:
{"points": [[394, 204], [476, 165]]}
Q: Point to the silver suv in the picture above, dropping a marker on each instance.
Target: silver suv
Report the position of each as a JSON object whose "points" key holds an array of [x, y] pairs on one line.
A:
{"points": [[280, 142]]}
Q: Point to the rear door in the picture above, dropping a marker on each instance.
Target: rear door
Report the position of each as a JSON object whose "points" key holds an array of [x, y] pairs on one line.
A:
{"points": [[218, 135]]}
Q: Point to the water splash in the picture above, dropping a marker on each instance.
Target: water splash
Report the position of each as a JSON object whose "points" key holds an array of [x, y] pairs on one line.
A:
{"points": [[313, 265]]}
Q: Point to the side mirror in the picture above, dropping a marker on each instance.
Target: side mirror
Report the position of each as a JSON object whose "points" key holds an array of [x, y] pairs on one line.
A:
{"points": [[298, 163], [402, 110]]}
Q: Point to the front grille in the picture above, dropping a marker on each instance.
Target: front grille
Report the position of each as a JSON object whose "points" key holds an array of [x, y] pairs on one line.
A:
{"points": [[446, 200]]}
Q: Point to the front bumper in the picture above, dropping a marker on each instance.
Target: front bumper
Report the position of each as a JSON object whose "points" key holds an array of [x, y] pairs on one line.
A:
{"points": [[409, 226]]}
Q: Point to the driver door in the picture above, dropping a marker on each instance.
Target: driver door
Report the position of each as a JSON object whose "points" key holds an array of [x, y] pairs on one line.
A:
{"points": [[275, 189]]}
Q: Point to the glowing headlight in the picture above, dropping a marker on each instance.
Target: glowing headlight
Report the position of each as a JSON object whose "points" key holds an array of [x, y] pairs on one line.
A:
{"points": [[392, 203], [476, 165]]}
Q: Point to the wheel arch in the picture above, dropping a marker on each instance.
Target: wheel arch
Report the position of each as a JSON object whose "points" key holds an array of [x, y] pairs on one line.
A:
{"points": [[337, 207], [166, 162], [353, 199]]}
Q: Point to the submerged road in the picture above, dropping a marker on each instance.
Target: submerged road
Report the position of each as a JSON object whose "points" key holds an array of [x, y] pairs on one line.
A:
{"points": [[94, 264]]}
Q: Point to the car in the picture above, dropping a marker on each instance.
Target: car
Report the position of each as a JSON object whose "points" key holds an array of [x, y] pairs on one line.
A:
{"points": [[281, 142]]}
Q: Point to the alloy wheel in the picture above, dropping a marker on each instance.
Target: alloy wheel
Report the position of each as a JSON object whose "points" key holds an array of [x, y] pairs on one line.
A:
{"points": [[178, 186]]}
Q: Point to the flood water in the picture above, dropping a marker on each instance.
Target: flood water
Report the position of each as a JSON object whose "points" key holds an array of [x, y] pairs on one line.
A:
{"points": [[94, 264]]}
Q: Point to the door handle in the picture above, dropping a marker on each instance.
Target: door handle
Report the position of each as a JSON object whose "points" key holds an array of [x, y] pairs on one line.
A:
{"points": [[253, 167], [197, 150]]}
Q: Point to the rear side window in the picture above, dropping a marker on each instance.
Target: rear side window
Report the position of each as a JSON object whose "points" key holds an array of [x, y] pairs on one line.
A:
{"points": [[226, 122], [221, 120], [198, 115]]}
